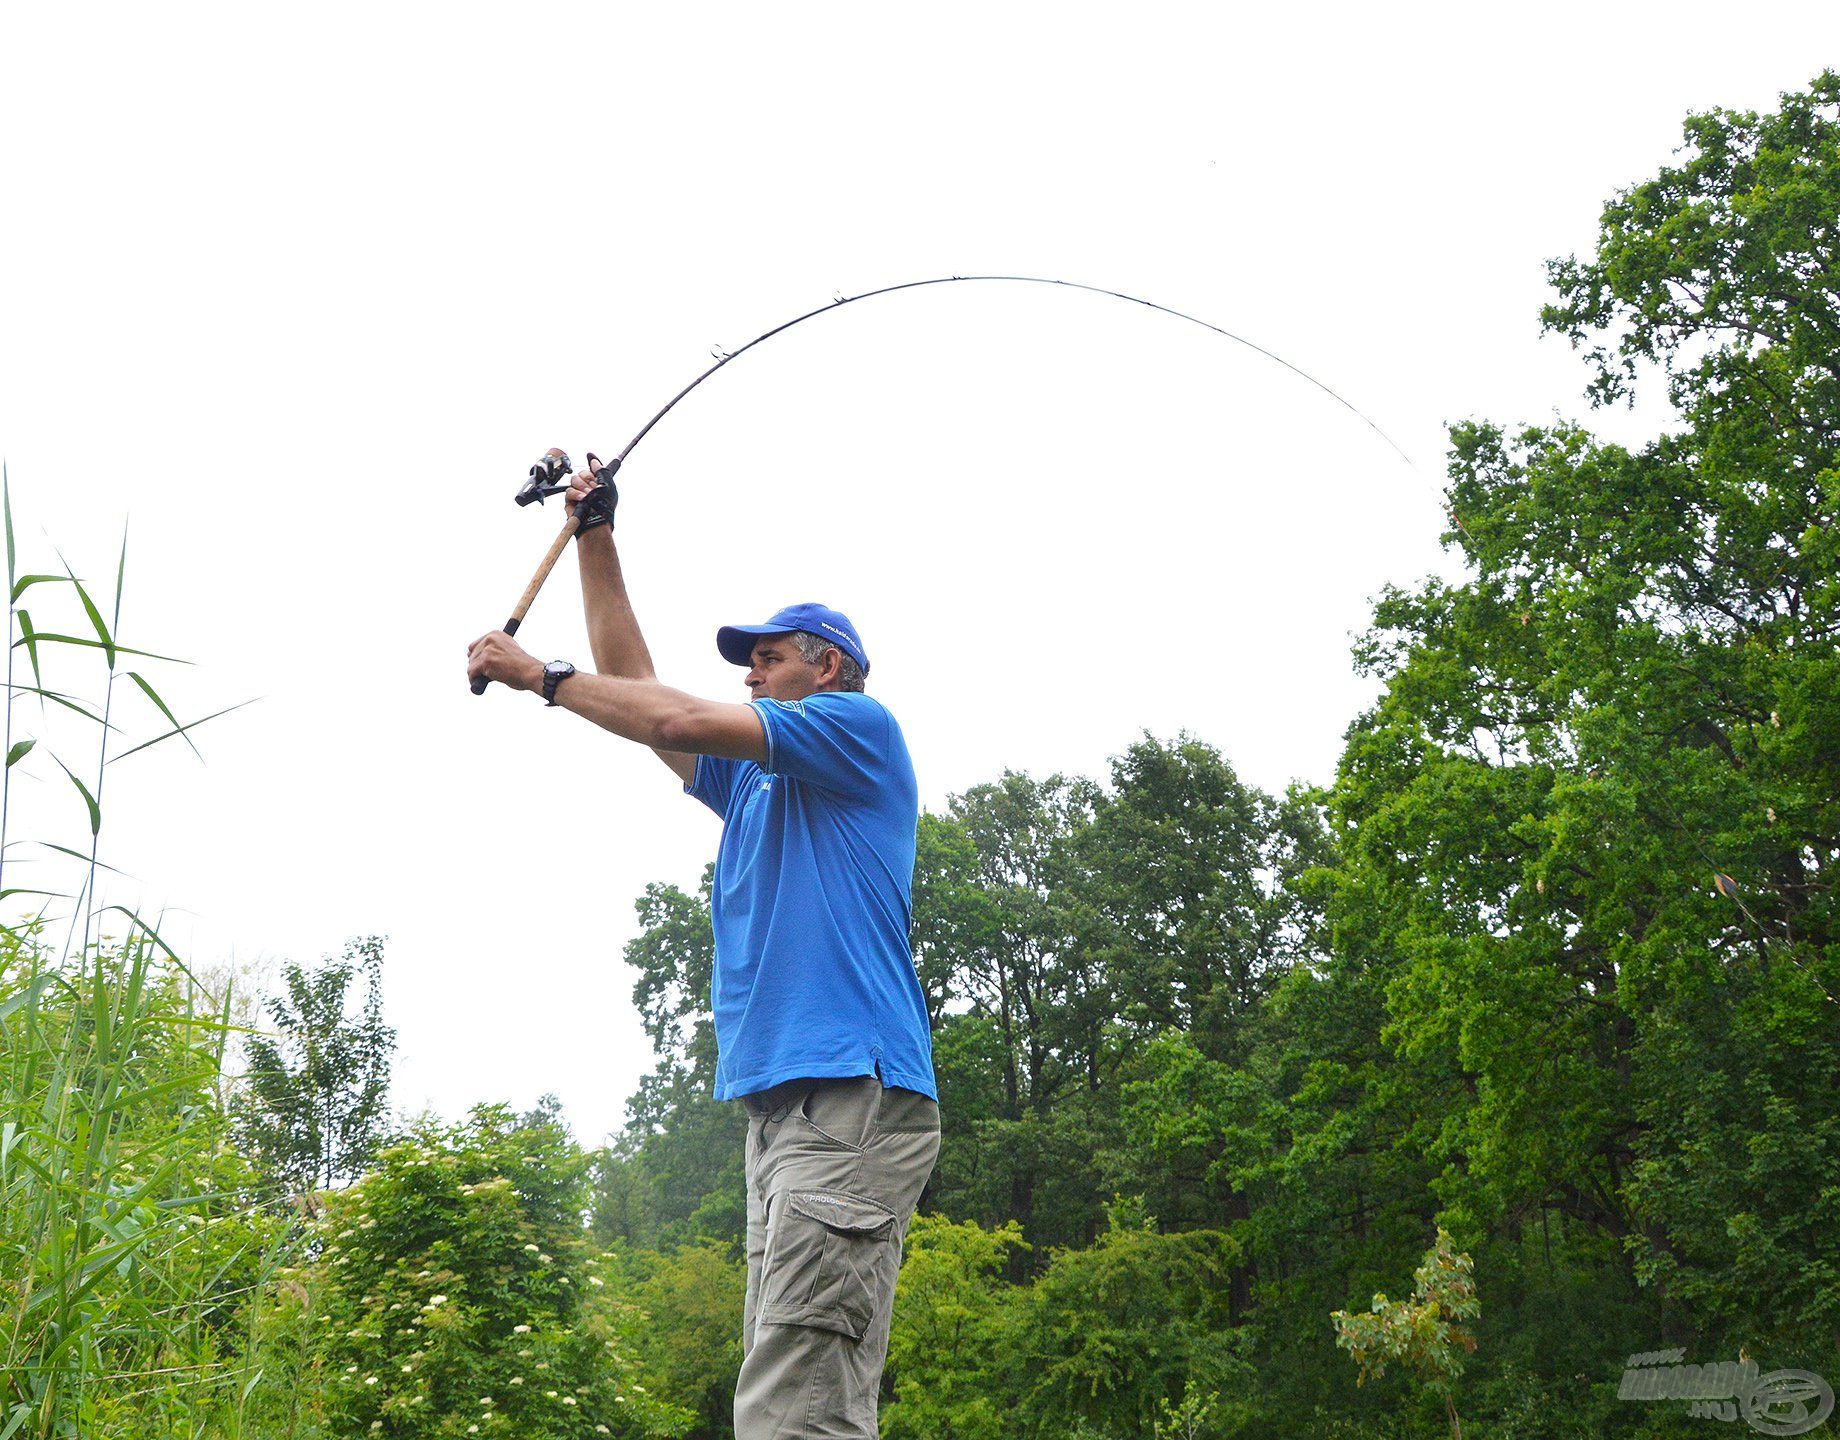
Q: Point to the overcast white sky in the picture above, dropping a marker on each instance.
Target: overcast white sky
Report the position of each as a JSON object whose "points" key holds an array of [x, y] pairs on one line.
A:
{"points": [[299, 293]]}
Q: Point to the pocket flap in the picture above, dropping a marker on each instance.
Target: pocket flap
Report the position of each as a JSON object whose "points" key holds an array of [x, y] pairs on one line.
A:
{"points": [[852, 1213]]}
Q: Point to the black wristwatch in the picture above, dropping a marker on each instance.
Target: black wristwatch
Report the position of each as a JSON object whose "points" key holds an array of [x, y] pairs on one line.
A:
{"points": [[554, 674]]}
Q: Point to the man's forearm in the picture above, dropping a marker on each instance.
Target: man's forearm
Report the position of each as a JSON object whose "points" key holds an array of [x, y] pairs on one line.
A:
{"points": [[614, 637], [669, 720], [613, 630], [676, 725]]}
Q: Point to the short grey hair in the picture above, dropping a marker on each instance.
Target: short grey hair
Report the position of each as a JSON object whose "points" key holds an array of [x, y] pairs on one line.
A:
{"points": [[811, 650]]}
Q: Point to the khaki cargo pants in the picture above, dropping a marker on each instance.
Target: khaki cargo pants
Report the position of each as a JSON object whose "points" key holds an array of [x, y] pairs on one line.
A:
{"points": [[834, 1170]]}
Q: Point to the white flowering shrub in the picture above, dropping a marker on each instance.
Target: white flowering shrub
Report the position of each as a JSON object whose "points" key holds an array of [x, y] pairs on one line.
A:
{"points": [[449, 1296]]}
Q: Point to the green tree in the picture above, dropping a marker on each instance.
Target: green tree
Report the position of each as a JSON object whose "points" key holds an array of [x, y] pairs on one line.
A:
{"points": [[1722, 272], [1425, 1334], [1194, 905], [1187, 893], [676, 1172], [1590, 830], [1020, 1046], [313, 1105], [952, 1349]]}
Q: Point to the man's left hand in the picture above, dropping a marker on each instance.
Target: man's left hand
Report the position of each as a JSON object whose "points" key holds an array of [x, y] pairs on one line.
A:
{"points": [[498, 657], [592, 497]]}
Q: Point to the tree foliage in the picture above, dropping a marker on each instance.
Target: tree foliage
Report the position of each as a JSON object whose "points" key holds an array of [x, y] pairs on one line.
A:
{"points": [[676, 1173], [952, 1350], [1426, 1334], [313, 1105], [1593, 823]]}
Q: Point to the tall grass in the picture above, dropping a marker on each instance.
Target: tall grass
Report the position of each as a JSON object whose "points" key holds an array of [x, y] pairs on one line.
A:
{"points": [[130, 1251]]}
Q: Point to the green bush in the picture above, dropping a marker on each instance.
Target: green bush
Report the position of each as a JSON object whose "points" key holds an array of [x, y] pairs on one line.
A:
{"points": [[1136, 1319], [1127, 1337], [951, 1352], [692, 1298], [130, 1244], [452, 1292]]}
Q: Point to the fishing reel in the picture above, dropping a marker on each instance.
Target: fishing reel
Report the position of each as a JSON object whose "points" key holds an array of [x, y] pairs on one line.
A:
{"points": [[550, 475]]}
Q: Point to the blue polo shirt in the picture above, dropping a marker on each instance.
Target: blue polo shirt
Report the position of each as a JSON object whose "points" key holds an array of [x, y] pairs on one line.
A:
{"points": [[813, 894]]}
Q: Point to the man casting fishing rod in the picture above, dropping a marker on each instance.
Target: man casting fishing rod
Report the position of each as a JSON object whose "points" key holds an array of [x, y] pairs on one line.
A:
{"points": [[821, 1026]]}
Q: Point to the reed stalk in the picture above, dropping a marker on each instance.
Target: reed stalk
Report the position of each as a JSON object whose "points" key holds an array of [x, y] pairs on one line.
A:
{"points": [[132, 1253]]}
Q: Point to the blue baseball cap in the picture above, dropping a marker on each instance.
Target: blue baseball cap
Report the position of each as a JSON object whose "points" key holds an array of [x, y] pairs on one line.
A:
{"points": [[736, 642]]}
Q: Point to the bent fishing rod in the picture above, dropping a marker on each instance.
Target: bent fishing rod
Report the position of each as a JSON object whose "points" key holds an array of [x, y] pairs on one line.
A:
{"points": [[550, 475]]}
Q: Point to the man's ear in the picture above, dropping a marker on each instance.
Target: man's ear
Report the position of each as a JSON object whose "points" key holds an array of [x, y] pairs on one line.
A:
{"points": [[830, 668]]}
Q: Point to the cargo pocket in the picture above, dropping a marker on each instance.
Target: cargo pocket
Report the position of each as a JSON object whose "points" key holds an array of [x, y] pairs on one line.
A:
{"points": [[822, 1259]]}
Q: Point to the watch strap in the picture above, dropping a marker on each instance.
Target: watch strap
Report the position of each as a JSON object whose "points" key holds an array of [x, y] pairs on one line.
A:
{"points": [[554, 674]]}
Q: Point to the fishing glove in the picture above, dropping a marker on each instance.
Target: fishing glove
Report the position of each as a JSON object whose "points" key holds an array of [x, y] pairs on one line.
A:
{"points": [[597, 507]]}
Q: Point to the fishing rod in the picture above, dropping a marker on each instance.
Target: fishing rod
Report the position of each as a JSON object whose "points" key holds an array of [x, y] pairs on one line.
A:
{"points": [[550, 475], [609, 468]]}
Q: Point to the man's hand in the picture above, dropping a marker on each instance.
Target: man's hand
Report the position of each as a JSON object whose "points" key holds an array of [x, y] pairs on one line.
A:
{"points": [[498, 657], [592, 497]]}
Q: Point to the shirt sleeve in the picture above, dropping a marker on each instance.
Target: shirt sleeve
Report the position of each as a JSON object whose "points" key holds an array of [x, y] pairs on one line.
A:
{"points": [[837, 741], [714, 782]]}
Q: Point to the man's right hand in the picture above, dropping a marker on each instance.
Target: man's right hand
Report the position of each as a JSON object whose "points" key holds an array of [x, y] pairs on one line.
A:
{"points": [[592, 497]]}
